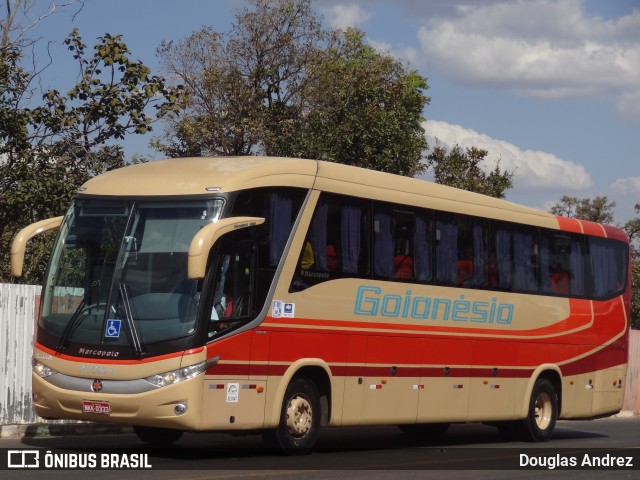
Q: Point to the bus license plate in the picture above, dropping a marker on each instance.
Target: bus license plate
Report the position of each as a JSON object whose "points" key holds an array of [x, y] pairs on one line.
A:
{"points": [[89, 406]]}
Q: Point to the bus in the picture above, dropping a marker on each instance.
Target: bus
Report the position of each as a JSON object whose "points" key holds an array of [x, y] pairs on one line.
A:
{"points": [[279, 295]]}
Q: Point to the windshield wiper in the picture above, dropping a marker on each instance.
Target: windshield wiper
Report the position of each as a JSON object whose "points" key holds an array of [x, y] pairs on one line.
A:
{"points": [[135, 339], [66, 333]]}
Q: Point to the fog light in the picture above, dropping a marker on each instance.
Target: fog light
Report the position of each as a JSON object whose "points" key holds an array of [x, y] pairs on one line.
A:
{"points": [[180, 408]]}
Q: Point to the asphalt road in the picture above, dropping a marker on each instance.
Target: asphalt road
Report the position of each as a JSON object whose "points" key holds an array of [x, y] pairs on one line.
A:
{"points": [[466, 451]]}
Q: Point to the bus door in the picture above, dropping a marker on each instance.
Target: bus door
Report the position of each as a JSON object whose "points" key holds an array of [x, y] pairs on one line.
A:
{"points": [[234, 388]]}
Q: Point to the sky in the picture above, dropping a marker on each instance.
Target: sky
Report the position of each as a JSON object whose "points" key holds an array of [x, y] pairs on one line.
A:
{"points": [[550, 88]]}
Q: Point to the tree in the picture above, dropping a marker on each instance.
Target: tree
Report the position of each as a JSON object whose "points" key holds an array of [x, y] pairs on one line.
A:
{"points": [[598, 209], [461, 169], [279, 84], [366, 109], [632, 227], [20, 16], [50, 150], [242, 81]]}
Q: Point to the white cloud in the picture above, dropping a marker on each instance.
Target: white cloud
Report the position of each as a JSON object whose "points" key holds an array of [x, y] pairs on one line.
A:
{"points": [[541, 48], [627, 186], [535, 171], [343, 16], [407, 54]]}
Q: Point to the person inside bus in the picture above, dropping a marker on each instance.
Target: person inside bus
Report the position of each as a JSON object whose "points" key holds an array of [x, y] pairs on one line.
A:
{"points": [[308, 259], [402, 265], [559, 279], [332, 259]]}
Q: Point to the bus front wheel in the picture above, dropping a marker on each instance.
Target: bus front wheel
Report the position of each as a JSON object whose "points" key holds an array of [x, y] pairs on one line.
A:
{"points": [[297, 430], [541, 419]]}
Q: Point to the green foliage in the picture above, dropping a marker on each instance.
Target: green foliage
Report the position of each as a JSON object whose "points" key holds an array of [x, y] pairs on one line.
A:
{"points": [[279, 84], [367, 109], [598, 209], [50, 150], [461, 169], [632, 227]]}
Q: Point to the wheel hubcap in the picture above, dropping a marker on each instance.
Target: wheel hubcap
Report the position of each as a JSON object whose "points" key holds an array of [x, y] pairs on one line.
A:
{"points": [[299, 416], [543, 410]]}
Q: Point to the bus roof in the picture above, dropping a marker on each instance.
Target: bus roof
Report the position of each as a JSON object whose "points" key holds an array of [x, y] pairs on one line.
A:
{"points": [[210, 175]]}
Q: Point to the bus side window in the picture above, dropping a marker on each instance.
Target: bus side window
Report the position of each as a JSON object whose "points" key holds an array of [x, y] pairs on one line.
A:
{"points": [[608, 268], [337, 242], [561, 264], [461, 250], [233, 282]]}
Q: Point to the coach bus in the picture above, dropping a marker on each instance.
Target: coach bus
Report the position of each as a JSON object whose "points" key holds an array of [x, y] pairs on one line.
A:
{"points": [[283, 295]]}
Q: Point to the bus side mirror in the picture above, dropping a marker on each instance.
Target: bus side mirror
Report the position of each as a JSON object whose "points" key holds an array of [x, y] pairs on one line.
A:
{"points": [[203, 241], [19, 245]]}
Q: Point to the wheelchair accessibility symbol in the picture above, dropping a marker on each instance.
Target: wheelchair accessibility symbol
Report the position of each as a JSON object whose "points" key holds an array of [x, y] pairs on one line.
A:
{"points": [[113, 328]]}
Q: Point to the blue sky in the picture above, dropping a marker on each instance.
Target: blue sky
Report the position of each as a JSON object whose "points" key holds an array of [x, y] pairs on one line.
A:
{"points": [[549, 88]]}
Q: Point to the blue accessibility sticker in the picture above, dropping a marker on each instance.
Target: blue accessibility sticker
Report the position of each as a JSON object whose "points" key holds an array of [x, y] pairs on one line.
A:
{"points": [[113, 328]]}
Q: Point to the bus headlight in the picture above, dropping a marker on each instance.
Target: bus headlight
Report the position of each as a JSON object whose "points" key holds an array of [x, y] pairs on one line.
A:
{"points": [[177, 376], [41, 369]]}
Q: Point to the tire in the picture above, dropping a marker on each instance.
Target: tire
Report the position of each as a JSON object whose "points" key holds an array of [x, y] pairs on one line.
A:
{"points": [[158, 437], [297, 431], [428, 431], [542, 413]]}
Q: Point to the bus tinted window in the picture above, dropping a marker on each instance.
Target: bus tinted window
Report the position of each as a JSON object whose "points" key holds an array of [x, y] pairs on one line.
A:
{"points": [[422, 246], [461, 251], [608, 267], [561, 264], [337, 244], [394, 244], [513, 258], [279, 207]]}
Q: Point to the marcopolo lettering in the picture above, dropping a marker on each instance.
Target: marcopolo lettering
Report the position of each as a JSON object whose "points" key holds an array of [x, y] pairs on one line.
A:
{"points": [[371, 301]]}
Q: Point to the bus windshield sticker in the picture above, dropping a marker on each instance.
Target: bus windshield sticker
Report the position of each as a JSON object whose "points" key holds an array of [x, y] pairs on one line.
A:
{"points": [[113, 328]]}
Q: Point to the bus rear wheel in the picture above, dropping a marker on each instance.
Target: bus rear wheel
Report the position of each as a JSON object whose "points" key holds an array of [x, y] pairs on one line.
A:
{"points": [[541, 419], [157, 436], [297, 430]]}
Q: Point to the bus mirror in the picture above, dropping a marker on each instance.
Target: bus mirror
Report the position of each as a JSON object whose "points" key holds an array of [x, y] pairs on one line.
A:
{"points": [[19, 245], [207, 236]]}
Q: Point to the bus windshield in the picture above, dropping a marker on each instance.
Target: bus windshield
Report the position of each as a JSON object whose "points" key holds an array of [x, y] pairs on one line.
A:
{"points": [[118, 273]]}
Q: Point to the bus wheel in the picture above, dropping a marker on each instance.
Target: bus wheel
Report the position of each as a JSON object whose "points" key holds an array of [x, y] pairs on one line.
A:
{"points": [[299, 419], [542, 414], [157, 436]]}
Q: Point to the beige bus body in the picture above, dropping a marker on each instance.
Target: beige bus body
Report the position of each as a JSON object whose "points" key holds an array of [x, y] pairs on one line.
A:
{"points": [[227, 402]]}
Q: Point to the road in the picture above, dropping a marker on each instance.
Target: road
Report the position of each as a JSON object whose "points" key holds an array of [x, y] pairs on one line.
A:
{"points": [[372, 453]]}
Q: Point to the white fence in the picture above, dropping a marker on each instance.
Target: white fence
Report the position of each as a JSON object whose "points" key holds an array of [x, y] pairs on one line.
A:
{"points": [[17, 314], [17, 319]]}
